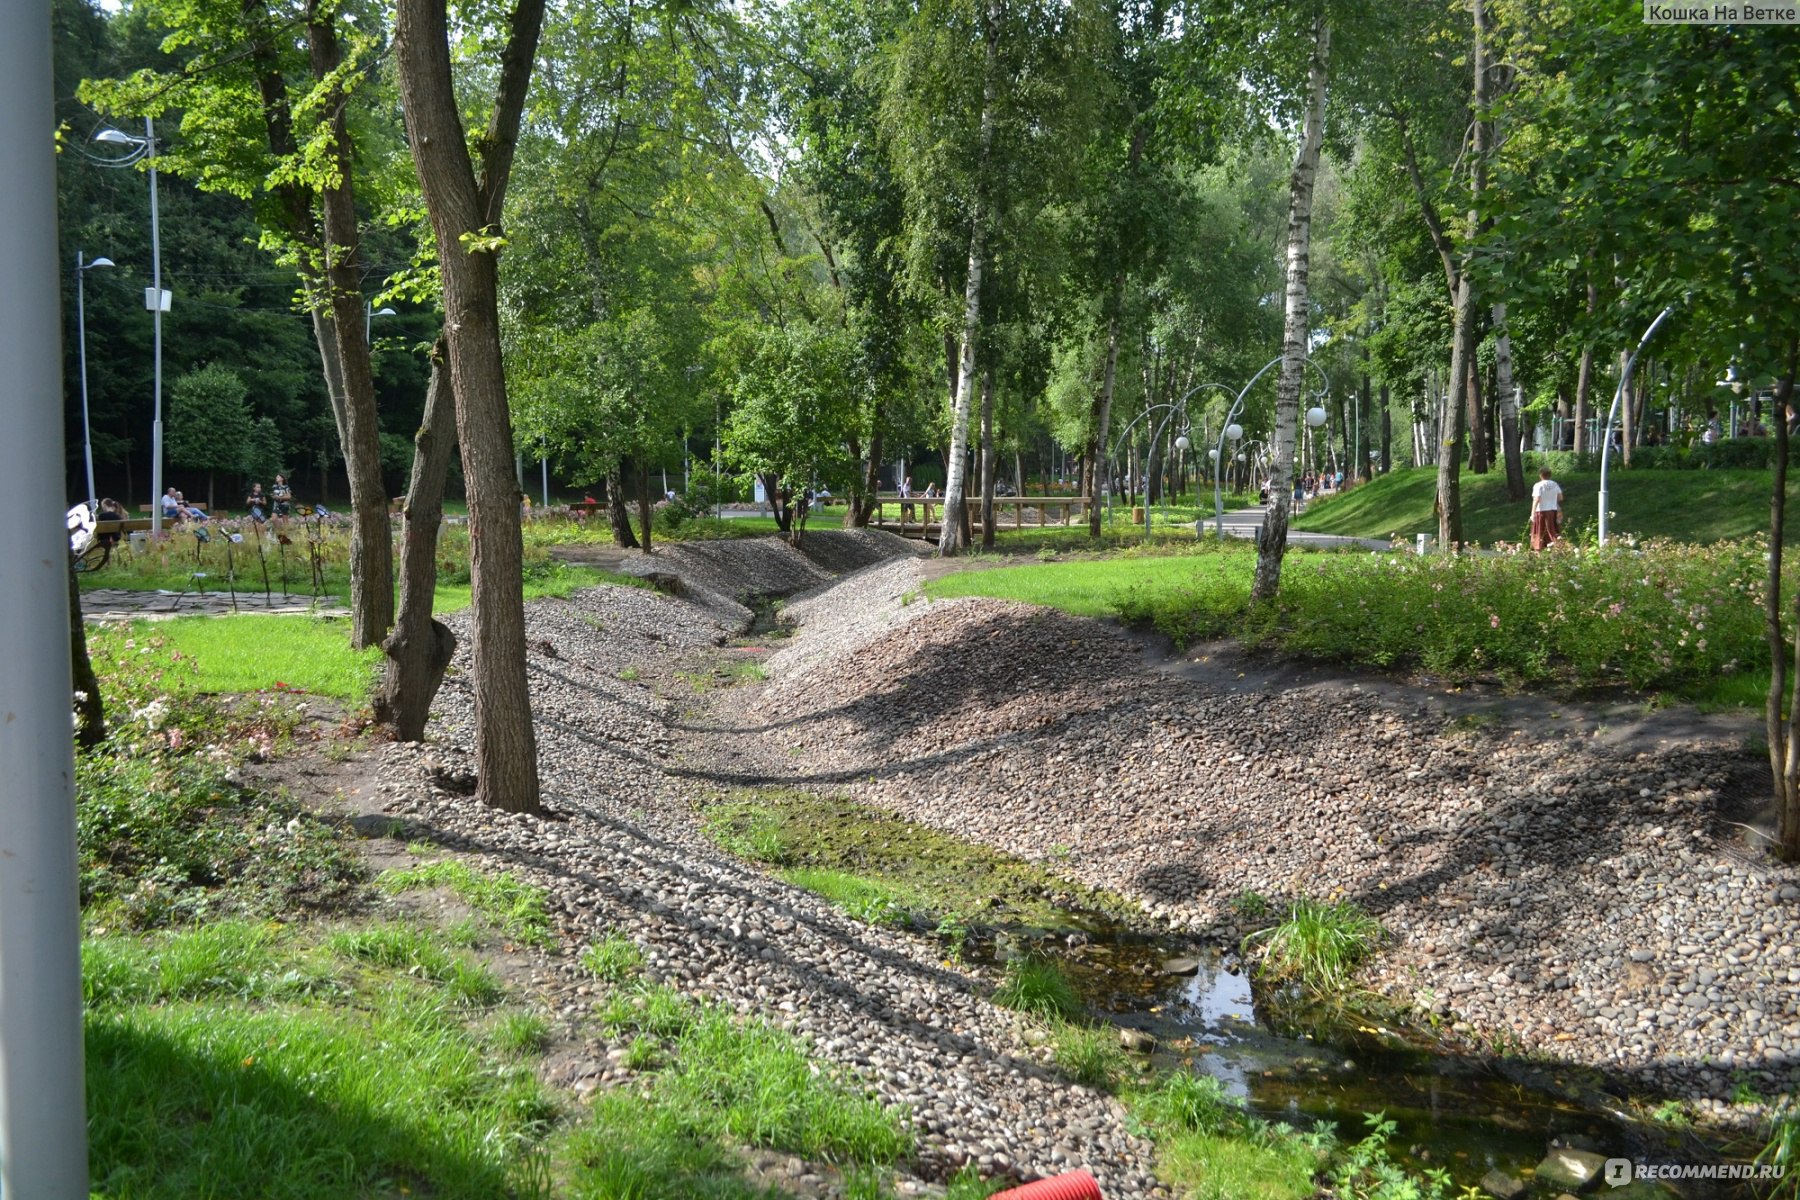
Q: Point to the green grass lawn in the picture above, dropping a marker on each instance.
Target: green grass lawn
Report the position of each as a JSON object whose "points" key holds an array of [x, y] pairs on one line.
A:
{"points": [[1093, 587], [250, 653], [1686, 506]]}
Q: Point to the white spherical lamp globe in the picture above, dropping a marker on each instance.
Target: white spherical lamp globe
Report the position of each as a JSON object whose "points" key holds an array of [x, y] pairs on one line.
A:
{"points": [[1234, 431], [1315, 416], [1181, 442], [1213, 454]]}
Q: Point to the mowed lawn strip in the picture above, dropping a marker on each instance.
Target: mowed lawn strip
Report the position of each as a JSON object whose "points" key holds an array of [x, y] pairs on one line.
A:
{"points": [[1686, 506], [1093, 587]]}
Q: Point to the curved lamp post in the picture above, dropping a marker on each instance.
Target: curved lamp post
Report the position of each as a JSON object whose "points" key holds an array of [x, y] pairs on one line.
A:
{"points": [[1613, 412], [155, 299], [1181, 443], [1315, 417], [87, 439]]}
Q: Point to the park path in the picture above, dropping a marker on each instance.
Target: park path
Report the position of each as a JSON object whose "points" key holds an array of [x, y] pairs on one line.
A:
{"points": [[1247, 523], [130, 604]]}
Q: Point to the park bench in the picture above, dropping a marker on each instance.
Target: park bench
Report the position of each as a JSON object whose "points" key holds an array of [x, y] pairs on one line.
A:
{"points": [[144, 508]]}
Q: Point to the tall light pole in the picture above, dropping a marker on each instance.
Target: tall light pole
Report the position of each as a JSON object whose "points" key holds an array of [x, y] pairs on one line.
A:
{"points": [[370, 312], [87, 439], [1613, 412], [155, 299], [1235, 431], [43, 1113]]}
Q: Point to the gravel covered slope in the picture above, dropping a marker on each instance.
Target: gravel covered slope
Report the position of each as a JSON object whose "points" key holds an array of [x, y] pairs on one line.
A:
{"points": [[1580, 898], [621, 770]]}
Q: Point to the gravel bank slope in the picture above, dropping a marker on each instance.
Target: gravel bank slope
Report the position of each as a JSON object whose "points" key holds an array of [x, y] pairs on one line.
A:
{"points": [[1575, 897], [621, 852]]}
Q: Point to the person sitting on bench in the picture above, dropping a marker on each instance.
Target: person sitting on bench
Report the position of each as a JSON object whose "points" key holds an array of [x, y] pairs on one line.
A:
{"points": [[110, 510]]}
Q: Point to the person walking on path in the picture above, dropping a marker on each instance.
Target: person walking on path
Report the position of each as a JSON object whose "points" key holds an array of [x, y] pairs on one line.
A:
{"points": [[1546, 511]]}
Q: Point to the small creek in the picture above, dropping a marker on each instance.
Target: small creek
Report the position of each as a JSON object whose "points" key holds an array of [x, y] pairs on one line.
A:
{"points": [[1459, 1113]]}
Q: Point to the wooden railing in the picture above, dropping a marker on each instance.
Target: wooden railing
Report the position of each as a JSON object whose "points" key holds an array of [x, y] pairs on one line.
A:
{"points": [[920, 513]]}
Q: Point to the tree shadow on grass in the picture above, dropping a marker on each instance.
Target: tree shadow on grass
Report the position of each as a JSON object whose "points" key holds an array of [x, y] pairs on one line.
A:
{"points": [[188, 1102]]}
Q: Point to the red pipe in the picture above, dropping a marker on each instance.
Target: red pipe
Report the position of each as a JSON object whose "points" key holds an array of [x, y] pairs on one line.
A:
{"points": [[1076, 1185]]}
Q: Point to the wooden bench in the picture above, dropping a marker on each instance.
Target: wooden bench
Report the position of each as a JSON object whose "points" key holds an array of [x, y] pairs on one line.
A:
{"points": [[150, 508], [131, 525], [1043, 504]]}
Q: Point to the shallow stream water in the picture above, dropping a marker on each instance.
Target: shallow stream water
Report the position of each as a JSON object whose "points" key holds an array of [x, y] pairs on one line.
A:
{"points": [[1455, 1112]]}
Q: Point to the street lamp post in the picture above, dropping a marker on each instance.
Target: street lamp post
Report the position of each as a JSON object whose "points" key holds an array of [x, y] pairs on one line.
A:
{"points": [[155, 299], [1173, 409], [370, 312], [1315, 417], [1613, 412], [87, 439]]}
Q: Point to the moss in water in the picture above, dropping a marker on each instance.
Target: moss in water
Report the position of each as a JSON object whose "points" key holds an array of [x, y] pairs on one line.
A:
{"points": [[934, 876]]}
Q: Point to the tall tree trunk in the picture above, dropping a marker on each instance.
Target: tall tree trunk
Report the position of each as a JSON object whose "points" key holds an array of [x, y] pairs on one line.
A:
{"points": [[1783, 735], [1098, 452], [1387, 432], [505, 743], [1297, 330], [1627, 411], [1479, 409], [778, 502], [1453, 414], [616, 514], [1584, 377], [954, 537], [371, 532], [420, 648], [1507, 397], [646, 510], [864, 499], [1475, 414], [987, 458]]}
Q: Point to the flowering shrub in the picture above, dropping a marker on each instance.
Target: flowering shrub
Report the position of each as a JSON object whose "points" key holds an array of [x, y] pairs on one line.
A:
{"points": [[165, 833], [1651, 617]]}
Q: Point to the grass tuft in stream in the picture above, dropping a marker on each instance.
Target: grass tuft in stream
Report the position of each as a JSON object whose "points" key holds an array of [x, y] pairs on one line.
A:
{"points": [[1038, 987], [1090, 1054], [1319, 946], [865, 899]]}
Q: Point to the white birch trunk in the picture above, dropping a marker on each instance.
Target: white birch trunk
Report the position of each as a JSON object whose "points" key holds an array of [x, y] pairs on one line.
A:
{"points": [[1298, 329]]}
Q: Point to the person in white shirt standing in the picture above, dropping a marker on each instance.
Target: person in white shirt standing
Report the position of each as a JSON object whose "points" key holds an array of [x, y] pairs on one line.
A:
{"points": [[1546, 511]]}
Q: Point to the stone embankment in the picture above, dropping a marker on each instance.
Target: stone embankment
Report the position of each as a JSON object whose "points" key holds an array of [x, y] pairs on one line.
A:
{"points": [[1549, 886], [1580, 896], [624, 763]]}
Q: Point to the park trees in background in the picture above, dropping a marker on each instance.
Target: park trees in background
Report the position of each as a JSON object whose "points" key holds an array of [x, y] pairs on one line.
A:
{"points": [[1673, 146], [265, 95]]}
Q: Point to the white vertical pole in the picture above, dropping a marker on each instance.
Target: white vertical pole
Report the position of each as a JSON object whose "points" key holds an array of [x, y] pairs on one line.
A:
{"points": [[156, 312], [43, 1117], [544, 463], [87, 436]]}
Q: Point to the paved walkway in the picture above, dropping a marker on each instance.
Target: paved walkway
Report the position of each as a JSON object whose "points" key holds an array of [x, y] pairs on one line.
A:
{"points": [[121, 604], [1248, 522]]}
